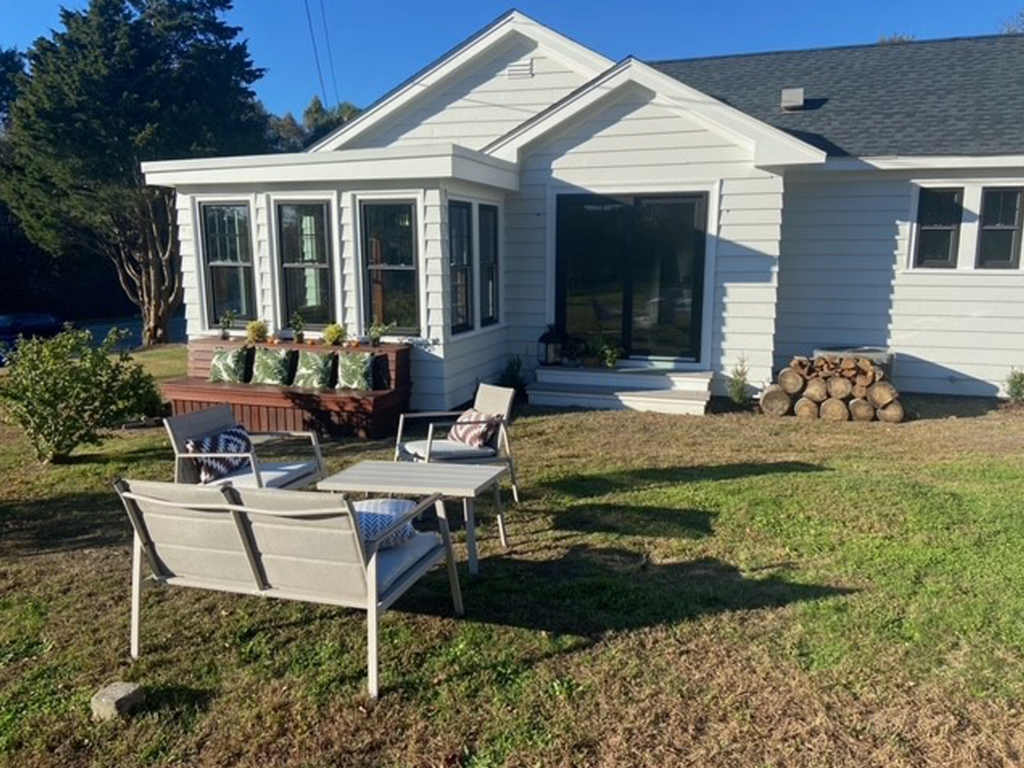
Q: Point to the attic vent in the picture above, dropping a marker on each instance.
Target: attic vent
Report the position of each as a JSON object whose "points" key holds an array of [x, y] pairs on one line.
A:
{"points": [[792, 99], [518, 70]]}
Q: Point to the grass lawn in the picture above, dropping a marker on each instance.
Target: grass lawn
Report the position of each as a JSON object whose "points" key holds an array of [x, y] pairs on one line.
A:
{"points": [[720, 591]]}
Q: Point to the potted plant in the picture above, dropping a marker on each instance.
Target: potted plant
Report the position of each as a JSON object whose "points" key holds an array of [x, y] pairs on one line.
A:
{"points": [[609, 355], [227, 322], [256, 332], [334, 334], [298, 328], [590, 353], [377, 331]]}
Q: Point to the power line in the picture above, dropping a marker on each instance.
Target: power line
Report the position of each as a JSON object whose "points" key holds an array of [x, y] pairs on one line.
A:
{"points": [[330, 55], [316, 55]]}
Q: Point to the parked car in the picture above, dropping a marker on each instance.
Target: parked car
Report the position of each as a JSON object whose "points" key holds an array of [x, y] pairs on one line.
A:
{"points": [[27, 324]]}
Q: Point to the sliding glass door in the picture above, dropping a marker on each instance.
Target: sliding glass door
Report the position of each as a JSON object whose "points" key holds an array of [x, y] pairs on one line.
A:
{"points": [[630, 271]]}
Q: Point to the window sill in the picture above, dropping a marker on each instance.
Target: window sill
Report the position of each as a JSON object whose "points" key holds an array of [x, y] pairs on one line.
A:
{"points": [[456, 337], [959, 272]]}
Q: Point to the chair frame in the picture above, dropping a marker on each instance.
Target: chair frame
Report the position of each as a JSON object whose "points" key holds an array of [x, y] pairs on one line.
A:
{"points": [[258, 438], [376, 603]]}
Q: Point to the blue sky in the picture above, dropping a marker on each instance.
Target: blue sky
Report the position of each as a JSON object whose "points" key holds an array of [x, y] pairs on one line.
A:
{"points": [[378, 44]]}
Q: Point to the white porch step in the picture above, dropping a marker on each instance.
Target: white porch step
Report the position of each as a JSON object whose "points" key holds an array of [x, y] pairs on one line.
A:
{"points": [[674, 401], [619, 379]]}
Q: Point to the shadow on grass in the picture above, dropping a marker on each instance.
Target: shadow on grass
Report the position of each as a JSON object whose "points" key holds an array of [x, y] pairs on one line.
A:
{"points": [[177, 698], [593, 485], [626, 520], [590, 592], [63, 523]]}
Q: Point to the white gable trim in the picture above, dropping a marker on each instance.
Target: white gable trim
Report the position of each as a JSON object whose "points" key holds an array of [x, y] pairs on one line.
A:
{"points": [[770, 146], [577, 57]]}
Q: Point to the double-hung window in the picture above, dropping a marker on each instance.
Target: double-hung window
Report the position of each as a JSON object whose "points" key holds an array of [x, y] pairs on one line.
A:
{"points": [[227, 252], [460, 264], [304, 244], [390, 256], [488, 216], [999, 228], [939, 213]]}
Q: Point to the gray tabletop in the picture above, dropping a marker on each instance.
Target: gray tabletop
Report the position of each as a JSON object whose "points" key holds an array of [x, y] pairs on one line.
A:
{"points": [[459, 481]]}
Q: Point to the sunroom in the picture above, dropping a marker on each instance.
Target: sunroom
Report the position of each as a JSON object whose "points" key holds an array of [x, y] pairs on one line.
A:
{"points": [[406, 237]]}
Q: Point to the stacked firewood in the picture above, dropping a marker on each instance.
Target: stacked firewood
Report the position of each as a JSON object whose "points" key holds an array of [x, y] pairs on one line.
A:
{"points": [[834, 389]]}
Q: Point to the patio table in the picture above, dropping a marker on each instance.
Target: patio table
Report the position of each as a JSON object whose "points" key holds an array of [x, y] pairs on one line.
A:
{"points": [[451, 480]]}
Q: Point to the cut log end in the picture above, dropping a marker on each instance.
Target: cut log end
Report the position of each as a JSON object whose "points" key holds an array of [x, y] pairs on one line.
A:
{"points": [[839, 387], [791, 381], [775, 401], [806, 409], [882, 393], [834, 409], [891, 413], [816, 390], [861, 410]]}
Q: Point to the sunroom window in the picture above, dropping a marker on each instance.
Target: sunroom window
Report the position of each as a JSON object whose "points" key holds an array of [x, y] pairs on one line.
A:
{"points": [[304, 238], [389, 253], [460, 249], [999, 230], [488, 216], [227, 252], [939, 213]]}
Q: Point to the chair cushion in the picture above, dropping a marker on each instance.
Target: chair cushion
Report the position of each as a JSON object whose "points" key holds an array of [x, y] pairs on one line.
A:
{"points": [[375, 515], [447, 450], [275, 474], [271, 366], [355, 370], [474, 428], [232, 440], [313, 369], [392, 563], [228, 365]]}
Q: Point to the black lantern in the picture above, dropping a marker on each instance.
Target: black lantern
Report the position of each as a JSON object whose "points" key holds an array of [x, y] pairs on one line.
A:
{"points": [[549, 347]]}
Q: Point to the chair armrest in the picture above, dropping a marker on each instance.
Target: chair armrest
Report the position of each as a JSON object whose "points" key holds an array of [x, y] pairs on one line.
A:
{"points": [[284, 434], [412, 514], [431, 414], [250, 455]]}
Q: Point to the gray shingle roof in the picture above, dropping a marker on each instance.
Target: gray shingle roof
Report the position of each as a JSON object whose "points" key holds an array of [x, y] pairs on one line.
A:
{"points": [[962, 96]]}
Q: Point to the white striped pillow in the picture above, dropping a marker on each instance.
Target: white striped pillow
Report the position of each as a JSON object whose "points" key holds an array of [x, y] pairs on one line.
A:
{"points": [[474, 435], [233, 440]]}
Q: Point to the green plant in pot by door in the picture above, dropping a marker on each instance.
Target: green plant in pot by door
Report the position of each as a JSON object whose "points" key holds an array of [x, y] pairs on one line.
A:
{"points": [[610, 355], [334, 334], [256, 332], [227, 322], [298, 328], [377, 331]]}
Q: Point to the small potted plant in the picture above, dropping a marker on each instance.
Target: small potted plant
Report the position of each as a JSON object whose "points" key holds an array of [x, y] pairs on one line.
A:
{"points": [[227, 322], [256, 332], [609, 355], [590, 353], [298, 328], [377, 331], [334, 334]]}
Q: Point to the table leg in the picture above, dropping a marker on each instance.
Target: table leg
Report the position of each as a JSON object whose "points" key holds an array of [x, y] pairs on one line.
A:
{"points": [[501, 515], [469, 509]]}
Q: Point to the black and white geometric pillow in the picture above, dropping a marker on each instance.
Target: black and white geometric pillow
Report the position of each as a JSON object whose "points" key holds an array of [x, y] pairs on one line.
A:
{"points": [[233, 440], [375, 515]]}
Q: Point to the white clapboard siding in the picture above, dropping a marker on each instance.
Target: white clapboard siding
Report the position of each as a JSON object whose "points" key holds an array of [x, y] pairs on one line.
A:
{"points": [[630, 139], [192, 295], [480, 106], [844, 280]]}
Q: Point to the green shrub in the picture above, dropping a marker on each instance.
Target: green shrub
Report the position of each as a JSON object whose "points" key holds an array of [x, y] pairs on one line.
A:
{"points": [[739, 383], [334, 334], [512, 376], [1015, 386], [256, 331], [63, 391]]}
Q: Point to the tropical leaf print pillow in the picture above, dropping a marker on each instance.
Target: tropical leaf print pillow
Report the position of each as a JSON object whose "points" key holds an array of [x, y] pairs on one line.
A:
{"points": [[270, 366], [313, 369], [228, 365], [355, 370]]}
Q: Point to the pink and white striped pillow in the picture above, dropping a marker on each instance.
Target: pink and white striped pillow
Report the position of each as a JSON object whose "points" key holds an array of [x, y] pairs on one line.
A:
{"points": [[475, 435]]}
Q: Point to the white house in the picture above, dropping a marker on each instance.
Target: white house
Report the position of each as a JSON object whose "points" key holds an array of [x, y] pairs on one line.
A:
{"points": [[692, 212]]}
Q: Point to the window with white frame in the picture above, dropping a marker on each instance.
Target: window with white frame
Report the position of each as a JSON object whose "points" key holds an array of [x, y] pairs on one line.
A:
{"points": [[305, 254], [489, 271], [999, 228], [473, 264], [460, 265], [972, 226], [390, 259], [228, 262], [939, 214]]}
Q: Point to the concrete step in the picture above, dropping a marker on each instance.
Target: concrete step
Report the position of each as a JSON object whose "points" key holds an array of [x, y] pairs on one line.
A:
{"points": [[618, 379], [606, 398]]}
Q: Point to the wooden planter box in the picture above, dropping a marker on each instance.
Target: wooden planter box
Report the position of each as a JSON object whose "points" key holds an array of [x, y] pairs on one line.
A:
{"points": [[330, 412]]}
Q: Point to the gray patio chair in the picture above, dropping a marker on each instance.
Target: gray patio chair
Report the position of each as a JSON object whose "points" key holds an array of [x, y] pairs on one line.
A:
{"points": [[255, 474], [496, 401], [284, 544]]}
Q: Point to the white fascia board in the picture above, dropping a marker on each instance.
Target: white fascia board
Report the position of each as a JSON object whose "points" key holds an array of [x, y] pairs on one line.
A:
{"points": [[922, 163], [769, 146], [442, 161], [578, 57]]}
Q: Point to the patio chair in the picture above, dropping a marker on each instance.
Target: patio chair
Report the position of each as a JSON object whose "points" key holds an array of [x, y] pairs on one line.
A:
{"points": [[255, 474], [284, 544], [492, 400]]}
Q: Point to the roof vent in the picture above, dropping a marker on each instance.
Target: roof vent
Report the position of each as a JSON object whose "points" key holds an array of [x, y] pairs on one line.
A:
{"points": [[792, 99], [518, 70]]}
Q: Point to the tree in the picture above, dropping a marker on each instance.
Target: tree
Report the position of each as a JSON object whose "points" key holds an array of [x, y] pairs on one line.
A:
{"points": [[1014, 25], [12, 65], [123, 82], [896, 38], [286, 134]]}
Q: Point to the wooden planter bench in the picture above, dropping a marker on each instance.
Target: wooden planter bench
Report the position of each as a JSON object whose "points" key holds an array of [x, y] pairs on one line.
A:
{"points": [[267, 407]]}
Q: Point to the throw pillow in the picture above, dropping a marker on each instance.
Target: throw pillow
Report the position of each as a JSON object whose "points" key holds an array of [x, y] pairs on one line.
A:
{"points": [[313, 369], [375, 515], [228, 365], [355, 370], [475, 435], [232, 440], [270, 366]]}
